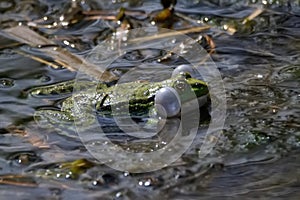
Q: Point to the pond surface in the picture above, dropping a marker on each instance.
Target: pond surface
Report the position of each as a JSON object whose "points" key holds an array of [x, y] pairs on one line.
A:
{"points": [[256, 156]]}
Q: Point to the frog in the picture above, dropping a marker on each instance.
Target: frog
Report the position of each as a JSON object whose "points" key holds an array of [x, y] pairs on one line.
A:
{"points": [[138, 99]]}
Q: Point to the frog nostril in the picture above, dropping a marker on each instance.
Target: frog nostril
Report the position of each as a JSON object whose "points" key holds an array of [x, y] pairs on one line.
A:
{"points": [[167, 102], [180, 85]]}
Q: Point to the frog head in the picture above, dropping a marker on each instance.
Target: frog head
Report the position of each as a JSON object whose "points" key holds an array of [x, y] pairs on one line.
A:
{"points": [[177, 91]]}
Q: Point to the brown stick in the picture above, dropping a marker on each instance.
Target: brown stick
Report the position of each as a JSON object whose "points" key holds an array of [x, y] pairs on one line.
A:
{"points": [[168, 34], [71, 61], [254, 14], [13, 180]]}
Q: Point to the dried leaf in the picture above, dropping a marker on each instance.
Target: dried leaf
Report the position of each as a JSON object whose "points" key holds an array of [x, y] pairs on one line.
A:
{"points": [[163, 15], [27, 36]]}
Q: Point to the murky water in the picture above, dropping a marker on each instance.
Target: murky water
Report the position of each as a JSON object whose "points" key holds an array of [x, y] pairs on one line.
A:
{"points": [[256, 155]]}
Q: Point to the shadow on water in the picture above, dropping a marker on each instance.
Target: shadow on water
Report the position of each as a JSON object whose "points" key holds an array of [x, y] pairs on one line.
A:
{"points": [[256, 155]]}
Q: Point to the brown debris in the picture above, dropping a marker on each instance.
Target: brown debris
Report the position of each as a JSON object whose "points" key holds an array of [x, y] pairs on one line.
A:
{"points": [[60, 55]]}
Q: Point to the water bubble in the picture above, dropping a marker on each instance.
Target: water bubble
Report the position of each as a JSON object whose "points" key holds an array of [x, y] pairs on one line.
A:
{"points": [[167, 102], [146, 182], [6, 83], [24, 158]]}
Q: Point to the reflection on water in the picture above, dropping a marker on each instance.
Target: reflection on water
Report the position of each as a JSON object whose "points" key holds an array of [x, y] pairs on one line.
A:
{"points": [[256, 155]]}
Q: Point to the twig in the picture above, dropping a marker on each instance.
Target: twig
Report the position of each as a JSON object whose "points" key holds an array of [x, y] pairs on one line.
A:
{"points": [[37, 59], [189, 19], [114, 13], [71, 61], [13, 180], [25, 35], [169, 34], [9, 45], [255, 13], [112, 18]]}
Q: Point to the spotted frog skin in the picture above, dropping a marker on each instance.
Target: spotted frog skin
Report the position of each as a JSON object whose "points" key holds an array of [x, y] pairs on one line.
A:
{"points": [[135, 99]]}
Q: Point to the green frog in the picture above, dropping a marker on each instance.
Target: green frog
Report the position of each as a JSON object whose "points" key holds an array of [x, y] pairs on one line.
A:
{"points": [[141, 99]]}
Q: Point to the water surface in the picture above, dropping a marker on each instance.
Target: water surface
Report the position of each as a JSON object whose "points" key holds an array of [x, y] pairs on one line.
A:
{"points": [[256, 155]]}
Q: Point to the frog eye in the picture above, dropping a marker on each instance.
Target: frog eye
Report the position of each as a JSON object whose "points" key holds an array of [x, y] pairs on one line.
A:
{"points": [[186, 70], [167, 102]]}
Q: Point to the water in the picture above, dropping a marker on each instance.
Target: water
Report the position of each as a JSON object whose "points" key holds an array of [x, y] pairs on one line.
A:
{"points": [[256, 155]]}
